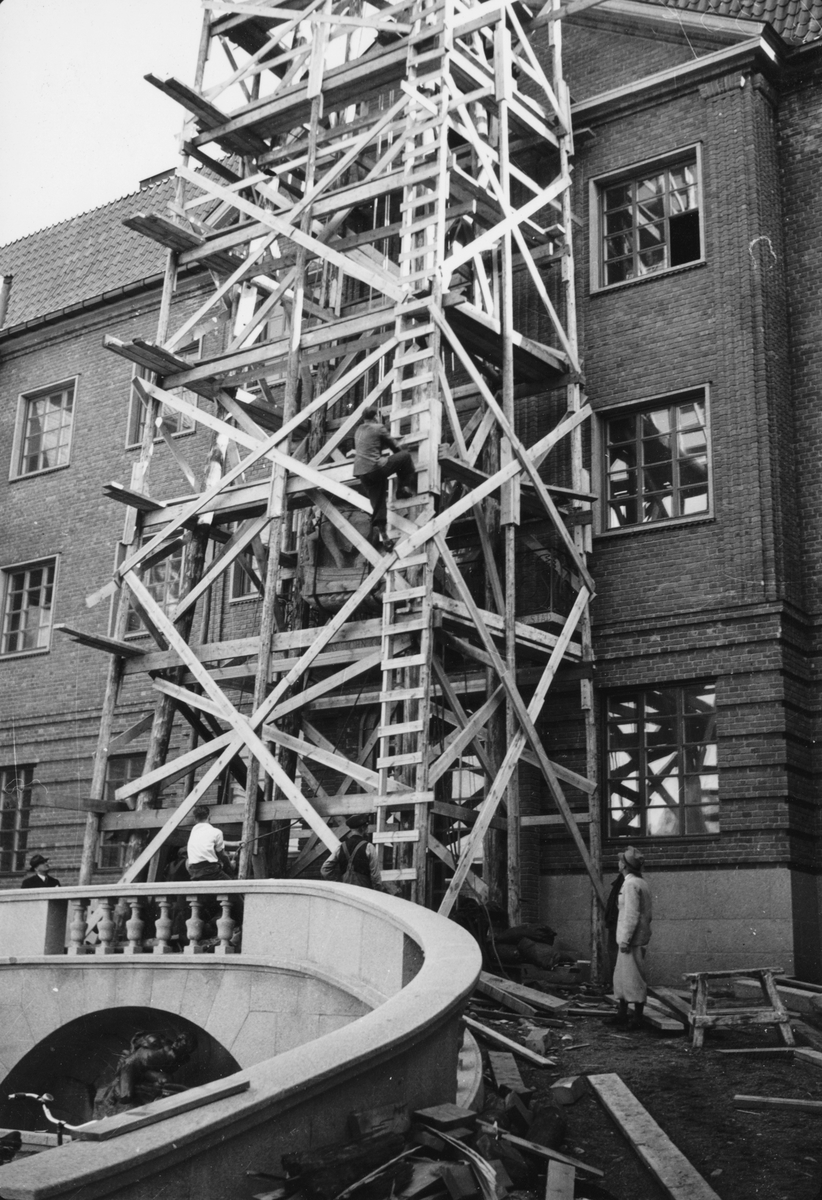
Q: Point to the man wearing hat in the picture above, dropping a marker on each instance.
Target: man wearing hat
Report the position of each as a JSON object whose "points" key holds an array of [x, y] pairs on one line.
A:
{"points": [[633, 933], [38, 875], [355, 859]]}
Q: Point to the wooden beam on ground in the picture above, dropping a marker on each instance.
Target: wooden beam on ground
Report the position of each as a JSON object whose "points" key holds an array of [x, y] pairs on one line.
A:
{"points": [[506, 1072], [667, 1164], [779, 1103], [535, 999], [486, 988], [539, 1150], [559, 1184], [499, 1039]]}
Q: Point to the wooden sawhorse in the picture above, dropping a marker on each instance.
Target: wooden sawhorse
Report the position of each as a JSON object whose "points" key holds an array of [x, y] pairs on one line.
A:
{"points": [[774, 1012]]}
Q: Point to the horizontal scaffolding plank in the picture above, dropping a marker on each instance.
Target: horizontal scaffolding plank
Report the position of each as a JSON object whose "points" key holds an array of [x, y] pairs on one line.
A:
{"points": [[98, 641]]}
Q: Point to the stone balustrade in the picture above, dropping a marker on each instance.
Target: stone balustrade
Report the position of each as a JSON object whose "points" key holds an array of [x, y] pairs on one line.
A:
{"points": [[339, 998]]}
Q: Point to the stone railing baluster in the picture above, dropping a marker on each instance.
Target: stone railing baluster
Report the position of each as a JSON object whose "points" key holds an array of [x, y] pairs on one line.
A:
{"points": [[225, 927], [134, 926], [105, 927], [77, 928], [194, 926], [163, 927]]}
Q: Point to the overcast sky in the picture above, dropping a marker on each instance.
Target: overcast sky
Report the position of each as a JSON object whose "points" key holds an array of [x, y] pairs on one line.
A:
{"points": [[78, 123]]}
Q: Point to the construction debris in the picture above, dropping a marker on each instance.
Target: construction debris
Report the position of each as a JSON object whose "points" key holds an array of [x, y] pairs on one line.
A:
{"points": [[569, 1089], [662, 1158]]}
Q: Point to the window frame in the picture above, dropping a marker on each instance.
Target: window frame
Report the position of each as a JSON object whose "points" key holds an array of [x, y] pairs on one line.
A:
{"points": [[642, 689], [5, 576], [600, 434], [22, 827], [135, 403], [140, 630], [596, 189], [21, 424]]}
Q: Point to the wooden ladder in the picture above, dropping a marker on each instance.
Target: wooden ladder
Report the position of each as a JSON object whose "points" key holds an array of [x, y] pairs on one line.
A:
{"points": [[772, 1013], [416, 422]]}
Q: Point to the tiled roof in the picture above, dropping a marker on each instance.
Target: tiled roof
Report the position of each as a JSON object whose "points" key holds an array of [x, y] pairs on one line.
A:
{"points": [[78, 259], [794, 20]]}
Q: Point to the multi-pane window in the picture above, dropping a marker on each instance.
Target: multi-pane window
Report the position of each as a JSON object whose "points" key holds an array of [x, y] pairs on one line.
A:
{"points": [[164, 581], [662, 770], [28, 598], [44, 435], [657, 461], [246, 574], [120, 769], [15, 806], [170, 420], [650, 222]]}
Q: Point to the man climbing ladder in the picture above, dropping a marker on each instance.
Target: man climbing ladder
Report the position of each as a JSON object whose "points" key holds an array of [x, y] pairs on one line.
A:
{"points": [[373, 471]]}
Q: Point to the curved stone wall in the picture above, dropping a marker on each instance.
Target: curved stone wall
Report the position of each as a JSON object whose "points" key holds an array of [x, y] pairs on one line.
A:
{"points": [[410, 968]]}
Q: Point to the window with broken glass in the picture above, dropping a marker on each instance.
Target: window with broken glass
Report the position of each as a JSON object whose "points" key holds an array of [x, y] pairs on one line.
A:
{"points": [[169, 420], [656, 461], [650, 222], [662, 765], [164, 581]]}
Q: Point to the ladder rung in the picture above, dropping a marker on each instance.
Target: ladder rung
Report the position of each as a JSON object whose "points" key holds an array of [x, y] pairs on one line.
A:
{"points": [[404, 596], [404, 835], [414, 693], [415, 356], [401, 727], [386, 799], [417, 202], [406, 335], [412, 626], [408, 408], [417, 252], [402, 385], [405, 873], [426, 33], [398, 664], [399, 760]]}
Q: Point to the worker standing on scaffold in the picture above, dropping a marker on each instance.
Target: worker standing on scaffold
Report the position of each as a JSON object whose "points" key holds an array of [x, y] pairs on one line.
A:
{"points": [[374, 471]]}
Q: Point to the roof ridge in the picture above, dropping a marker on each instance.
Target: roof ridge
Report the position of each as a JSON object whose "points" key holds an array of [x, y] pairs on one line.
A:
{"points": [[95, 208]]}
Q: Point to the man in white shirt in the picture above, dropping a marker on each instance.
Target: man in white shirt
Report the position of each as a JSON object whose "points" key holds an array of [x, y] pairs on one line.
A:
{"points": [[206, 850]]}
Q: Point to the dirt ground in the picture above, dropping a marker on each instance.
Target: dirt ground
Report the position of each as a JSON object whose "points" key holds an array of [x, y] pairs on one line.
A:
{"points": [[742, 1155]]}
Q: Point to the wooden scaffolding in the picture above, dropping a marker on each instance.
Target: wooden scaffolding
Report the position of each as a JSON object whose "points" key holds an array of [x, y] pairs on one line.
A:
{"points": [[381, 194]]}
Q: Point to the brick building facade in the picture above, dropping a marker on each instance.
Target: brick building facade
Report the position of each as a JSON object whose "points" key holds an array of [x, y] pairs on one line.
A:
{"points": [[698, 147]]}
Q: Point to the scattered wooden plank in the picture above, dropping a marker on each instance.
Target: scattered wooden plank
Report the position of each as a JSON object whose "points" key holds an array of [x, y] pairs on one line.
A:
{"points": [[766, 1051], [560, 1182], [662, 1158], [569, 1089], [491, 1035], [796, 999], [424, 1181], [679, 1007], [446, 1116], [459, 1180], [803, 1054], [503, 997], [543, 1151], [808, 1035], [540, 1000], [780, 1102], [798, 983], [506, 1072]]}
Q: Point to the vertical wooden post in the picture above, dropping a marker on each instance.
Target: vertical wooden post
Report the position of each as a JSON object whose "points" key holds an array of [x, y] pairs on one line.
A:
{"points": [[510, 498]]}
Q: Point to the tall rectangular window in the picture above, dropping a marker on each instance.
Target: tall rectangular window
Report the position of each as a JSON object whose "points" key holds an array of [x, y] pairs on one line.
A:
{"points": [[164, 581], [656, 461], [662, 765], [28, 598], [15, 807], [649, 220], [44, 430], [170, 420]]}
